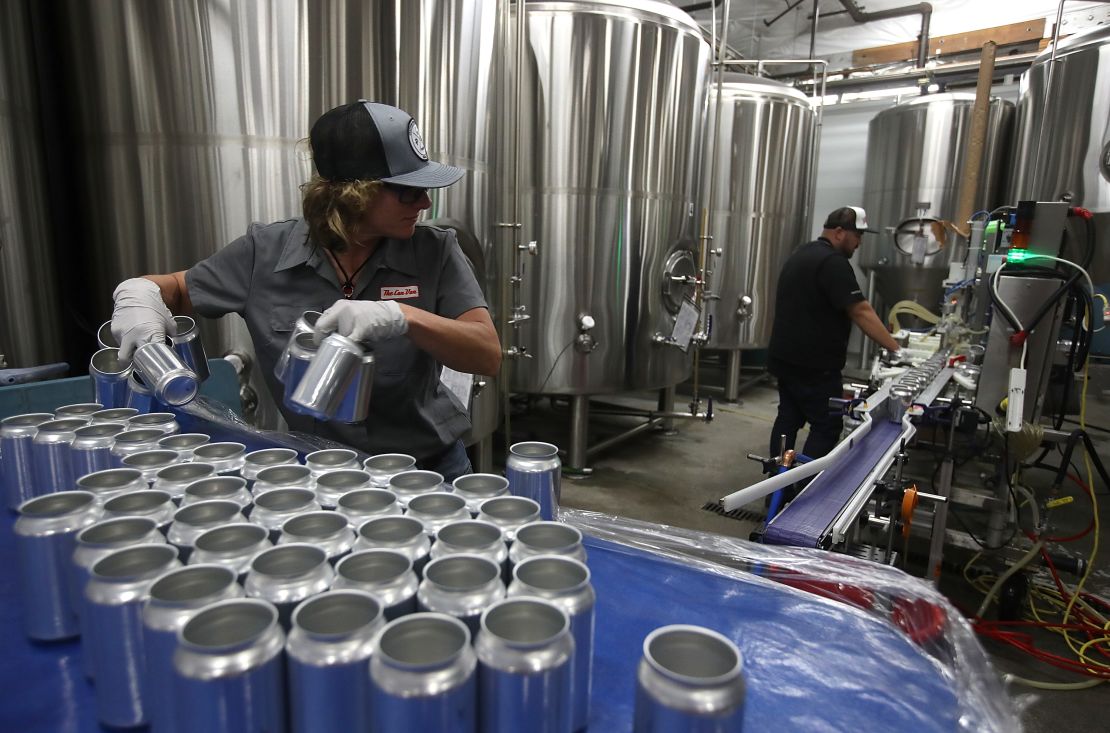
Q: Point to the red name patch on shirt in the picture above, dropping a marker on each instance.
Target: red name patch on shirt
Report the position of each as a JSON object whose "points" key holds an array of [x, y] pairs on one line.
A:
{"points": [[404, 291]]}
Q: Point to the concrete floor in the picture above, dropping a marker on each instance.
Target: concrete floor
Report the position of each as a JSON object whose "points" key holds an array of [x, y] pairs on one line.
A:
{"points": [[669, 478]]}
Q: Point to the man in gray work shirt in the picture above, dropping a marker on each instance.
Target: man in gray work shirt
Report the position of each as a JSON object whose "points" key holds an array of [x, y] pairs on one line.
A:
{"points": [[358, 256]]}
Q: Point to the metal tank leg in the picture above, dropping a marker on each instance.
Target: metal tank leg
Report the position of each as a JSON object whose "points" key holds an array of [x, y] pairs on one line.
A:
{"points": [[732, 376], [579, 433], [482, 455], [666, 406]]}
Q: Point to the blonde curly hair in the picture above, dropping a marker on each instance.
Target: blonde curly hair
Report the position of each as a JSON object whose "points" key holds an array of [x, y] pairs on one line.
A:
{"points": [[333, 209]]}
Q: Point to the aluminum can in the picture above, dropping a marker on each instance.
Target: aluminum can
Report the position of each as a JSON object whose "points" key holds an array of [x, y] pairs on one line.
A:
{"points": [[437, 510], [81, 410], [110, 377], [184, 443], [190, 522], [566, 583], [301, 349], [226, 458], [385, 466], [105, 338], [228, 671], [113, 414], [155, 505], [162, 369], [135, 440], [332, 459], [164, 421], [139, 395], [232, 546], [175, 479], [150, 462], [305, 325], [534, 471], [257, 460], [288, 574], [332, 485], [50, 452], [689, 679], [547, 538], [272, 508], [114, 598], [510, 513], [327, 530], [403, 534], [475, 488], [291, 476], [414, 483], [423, 676], [174, 599], [385, 574], [188, 347], [461, 586], [898, 402], [227, 488], [113, 482], [363, 504], [91, 449], [335, 365], [44, 538], [472, 537], [328, 653], [17, 463], [525, 652], [355, 405]]}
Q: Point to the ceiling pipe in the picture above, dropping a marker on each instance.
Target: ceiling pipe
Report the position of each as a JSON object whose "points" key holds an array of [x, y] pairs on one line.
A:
{"points": [[925, 10]]}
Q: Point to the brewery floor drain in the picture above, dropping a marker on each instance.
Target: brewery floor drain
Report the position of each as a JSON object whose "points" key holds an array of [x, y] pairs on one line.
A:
{"points": [[743, 515]]}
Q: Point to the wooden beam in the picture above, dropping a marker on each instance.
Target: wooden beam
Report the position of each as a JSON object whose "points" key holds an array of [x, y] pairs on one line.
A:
{"points": [[1003, 35]]}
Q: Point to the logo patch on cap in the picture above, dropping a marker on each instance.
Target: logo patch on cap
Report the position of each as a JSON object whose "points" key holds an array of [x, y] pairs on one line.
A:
{"points": [[416, 140]]}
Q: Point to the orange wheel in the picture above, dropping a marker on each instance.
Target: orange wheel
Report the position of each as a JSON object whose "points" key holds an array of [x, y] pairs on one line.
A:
{"points": [[909, 503]]}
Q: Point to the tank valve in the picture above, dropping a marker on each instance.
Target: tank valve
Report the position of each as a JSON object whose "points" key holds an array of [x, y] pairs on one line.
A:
{"points": [[744, 309], [518, 352], [532, 248], [584, 342]]}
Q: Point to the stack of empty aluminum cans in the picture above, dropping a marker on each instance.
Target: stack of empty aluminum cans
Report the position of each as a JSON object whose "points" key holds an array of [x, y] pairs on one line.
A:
{"points": [[211, 584]]}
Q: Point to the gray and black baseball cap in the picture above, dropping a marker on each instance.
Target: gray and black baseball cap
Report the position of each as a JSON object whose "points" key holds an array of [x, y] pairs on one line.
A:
{"points": [[371, 141]]}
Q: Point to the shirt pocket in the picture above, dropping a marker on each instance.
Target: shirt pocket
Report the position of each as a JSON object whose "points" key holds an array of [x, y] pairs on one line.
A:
{"points": [[283, 318]]}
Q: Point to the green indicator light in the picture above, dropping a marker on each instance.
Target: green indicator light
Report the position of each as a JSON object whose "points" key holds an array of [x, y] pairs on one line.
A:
{"points": [[1017, 255]]}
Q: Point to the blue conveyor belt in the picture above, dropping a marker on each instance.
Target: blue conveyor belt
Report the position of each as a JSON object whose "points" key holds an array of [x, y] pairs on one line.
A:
{"points": [[806, 519]]}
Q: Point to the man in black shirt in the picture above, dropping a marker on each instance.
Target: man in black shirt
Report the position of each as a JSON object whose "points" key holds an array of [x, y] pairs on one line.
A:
{"points": [[817, 301]]}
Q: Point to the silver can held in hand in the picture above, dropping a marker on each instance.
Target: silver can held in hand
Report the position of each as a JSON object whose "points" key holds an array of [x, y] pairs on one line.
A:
{"points": [[330, 459], [305, 325], [415, 483], [534, 471], [403, 534], [423, 675], [328, 652], [524, 650], [476, 488], [510, 513], [188, 347], [385, 466], [355, 405], [175, 479], [287, 574], [298, 355], [227, 488], [135, 440], [228, 675], [44, 538], [91, 449], [258, 460], [226, 458], [111, 378], [566, 583], [174, 598], [184, 443], [189, 522], [332, 485], [80, 410], [50, 451], [232, 546], [360, 505], [289, 476], [437, 510], [461, 586], [272, 508], [113, 482], [689, 679], [139, 395], [385, 574], [114, 597], [327, 530], [331, 371], [150, 462], [150, 503], [105, 338], [162, 370], [113, 415], [547, 538], [17, 465], [164, 421]]}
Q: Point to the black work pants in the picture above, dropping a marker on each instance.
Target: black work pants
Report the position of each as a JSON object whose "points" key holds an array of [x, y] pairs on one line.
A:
{"points": [[804, 398]]}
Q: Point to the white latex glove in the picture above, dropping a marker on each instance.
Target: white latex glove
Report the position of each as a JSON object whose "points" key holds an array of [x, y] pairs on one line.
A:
{"points": [[364, 320], [140, 316]]}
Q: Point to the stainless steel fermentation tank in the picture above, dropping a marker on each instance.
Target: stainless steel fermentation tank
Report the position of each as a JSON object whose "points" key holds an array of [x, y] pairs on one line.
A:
{"points": [[760, 209], [612, 109], [915, 163], [1066, 153], [434, 59]]}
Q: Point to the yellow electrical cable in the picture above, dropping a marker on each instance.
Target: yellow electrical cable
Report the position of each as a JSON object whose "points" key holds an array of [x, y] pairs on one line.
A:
{"points": [[1054, 685]]}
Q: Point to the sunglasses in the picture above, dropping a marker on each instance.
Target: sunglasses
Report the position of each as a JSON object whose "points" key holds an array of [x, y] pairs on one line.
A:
{"points": [[406, 194]]}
